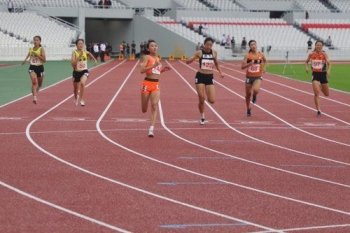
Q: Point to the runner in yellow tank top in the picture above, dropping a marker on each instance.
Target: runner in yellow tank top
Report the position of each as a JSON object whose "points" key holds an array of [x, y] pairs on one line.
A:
{"points": [[255, 63], [80, 71], [36, 69]]}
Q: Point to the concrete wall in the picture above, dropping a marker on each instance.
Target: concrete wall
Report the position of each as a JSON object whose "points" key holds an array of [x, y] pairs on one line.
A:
{"points": [[167, 41]]}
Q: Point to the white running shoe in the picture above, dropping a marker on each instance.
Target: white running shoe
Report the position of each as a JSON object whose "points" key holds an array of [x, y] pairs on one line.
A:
{"points": [[82, 103], [150, 134], [202, 121], [35, 100]]}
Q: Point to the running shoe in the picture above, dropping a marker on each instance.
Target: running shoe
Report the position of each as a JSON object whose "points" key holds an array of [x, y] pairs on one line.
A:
{"points": [[319, 113], [254, 99], [249, 112], [82, 103], [35, 100], [202, 121], [150, 134]]}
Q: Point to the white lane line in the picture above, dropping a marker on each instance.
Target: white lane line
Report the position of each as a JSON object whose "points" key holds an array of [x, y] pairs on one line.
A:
{"points": [[309, 228], [295, 89], [63, 209], [163, 163], [259, 140], [54, 107]]}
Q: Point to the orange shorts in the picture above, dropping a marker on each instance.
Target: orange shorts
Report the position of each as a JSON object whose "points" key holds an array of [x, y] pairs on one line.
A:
{"points": [[149, 85]]}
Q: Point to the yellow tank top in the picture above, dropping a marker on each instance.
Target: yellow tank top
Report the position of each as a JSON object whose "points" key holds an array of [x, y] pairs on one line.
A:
{"points": [[82, 62], [35, 61]]}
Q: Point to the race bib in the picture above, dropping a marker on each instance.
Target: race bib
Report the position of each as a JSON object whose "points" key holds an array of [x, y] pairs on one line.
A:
{"points": [[207, 65], [317, 64], [254, 69], [34, 61], [81, 65], [157, 69]]}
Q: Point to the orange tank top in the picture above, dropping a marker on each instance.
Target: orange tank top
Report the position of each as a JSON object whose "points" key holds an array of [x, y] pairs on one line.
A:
{"points": [[254, 70], [155, 70], [318, 62]]}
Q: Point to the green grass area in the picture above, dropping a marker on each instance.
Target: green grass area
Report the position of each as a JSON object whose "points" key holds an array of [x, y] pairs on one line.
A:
{"points": [[339, 79], [15, 80]]}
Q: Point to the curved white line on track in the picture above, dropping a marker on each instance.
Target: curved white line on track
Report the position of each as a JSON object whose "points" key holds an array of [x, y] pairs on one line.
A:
{"points": [[206, 176], [251, 137], [163, 163], [53, 156], [63, 209], [117, 182], [290, 100], [170, 165]]}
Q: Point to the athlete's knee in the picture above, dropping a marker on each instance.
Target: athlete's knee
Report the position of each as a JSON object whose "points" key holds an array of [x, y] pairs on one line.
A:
{"points": [[211, 100]]}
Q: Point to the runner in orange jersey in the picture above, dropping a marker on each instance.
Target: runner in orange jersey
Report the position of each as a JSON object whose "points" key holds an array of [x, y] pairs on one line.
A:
{"points": [[150, 90], [255, 62]]}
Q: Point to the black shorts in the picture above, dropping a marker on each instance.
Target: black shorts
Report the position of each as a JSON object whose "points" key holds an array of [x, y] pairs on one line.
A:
{"points": [[251, 80], [206, 79], [78, 74], [320, 77], [39, 70]]}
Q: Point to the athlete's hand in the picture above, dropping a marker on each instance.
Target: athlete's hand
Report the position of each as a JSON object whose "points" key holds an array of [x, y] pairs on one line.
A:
{"points": [[328, 74], [221, 75], [155, 64], [307, 69]]}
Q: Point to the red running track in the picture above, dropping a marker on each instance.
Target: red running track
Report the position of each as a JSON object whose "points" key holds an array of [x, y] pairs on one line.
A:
{"points": [[68, 168]]}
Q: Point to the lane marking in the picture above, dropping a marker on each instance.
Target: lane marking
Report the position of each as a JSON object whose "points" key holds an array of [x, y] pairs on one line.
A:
{"points": [[160, 162], [308, 228], [71, 212], [203, 225], [190, 183], [270, 113]]}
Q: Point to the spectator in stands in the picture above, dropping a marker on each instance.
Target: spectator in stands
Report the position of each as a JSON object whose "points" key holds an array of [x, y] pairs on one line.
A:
{"points": [[142, 47], [200, 28], [321, 71], [205, 29], [309, 45], [10, 6], [133, 48], [36, 69], [244, 43], [100, 4], [233, 42], [306, 15], [204, 80], [96, 50], [228, 40], [150, 91], [108, 4], [80, 70], [255, 64], [329, 42], [223, 40], [108, 49], [102, 51], [127, 50]]}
